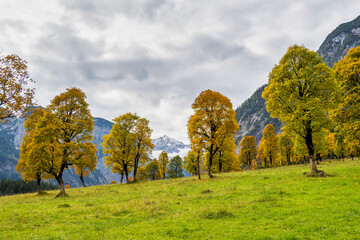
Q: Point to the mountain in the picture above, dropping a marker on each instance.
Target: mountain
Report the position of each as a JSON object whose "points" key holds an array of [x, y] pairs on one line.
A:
{"points": [[12, 132], [171, 146], [336, 44], [252, 116]]}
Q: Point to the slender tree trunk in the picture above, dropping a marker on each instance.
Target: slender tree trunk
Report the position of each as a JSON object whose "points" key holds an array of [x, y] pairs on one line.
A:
{"points": [[126, 174], [82, 179], [136, 164], [38, 186], [61, 185], [210, 160], [310, 147], [288, 159], [198, 165], [220, 163], [122, 177]]}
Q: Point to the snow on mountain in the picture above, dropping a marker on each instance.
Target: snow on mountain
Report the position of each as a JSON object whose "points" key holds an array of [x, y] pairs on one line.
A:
{"points": [[171, 146]]}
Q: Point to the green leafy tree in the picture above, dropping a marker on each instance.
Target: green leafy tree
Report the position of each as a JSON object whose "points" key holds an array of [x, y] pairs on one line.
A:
{"points": [[163, 164], [193, 162], [248, 150], [15, 96], [301, 92], [152, 170], [224, 159], [76, 125], [175, 169], [286, 145], [212, 124]]}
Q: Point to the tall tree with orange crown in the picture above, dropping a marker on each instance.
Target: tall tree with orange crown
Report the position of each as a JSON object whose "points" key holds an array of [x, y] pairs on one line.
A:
{"points": [[212, 123]]}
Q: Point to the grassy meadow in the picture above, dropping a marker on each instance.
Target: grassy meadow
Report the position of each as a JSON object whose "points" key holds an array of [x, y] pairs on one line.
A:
{"points": [[277, 203]]}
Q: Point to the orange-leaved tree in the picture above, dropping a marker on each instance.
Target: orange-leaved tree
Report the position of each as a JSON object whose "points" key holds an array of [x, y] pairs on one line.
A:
{"points": [[212, 123], [269, 146], [15, 96], [248, 150]]}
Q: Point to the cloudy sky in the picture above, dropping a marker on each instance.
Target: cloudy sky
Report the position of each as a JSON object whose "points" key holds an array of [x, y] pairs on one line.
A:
{"points": [[153, 57]]}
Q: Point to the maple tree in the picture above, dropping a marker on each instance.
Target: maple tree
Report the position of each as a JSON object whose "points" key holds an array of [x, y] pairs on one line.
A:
{"points": [[212, 124], [269, 146], [175, 169], [224, 159], [152, 170], [248, 150], [286, 145], [347, 114], [76, 126], [163, 162], [127, 145], [15, 96], [38, 149], [301, 92], [193, 162]]}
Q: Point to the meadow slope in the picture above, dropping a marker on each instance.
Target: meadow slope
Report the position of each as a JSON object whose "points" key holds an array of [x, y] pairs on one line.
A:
{"points": [[278, 203]]}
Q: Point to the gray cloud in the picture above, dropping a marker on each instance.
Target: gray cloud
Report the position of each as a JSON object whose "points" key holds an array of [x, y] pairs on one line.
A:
{"points": [[154, 57]]}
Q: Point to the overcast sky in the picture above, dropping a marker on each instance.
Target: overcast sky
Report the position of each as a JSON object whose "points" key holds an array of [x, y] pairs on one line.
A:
{"points": [[154, 57]]}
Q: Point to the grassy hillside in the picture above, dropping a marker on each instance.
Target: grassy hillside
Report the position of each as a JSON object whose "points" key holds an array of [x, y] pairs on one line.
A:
{"points": [[278, 203]]}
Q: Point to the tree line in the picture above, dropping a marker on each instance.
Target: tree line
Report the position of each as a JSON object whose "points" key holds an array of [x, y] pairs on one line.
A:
{"points": [[318, 107], [10, 187]]}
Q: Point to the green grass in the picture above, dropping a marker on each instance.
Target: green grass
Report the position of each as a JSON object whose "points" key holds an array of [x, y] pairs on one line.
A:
{"points": [[278, 203]]}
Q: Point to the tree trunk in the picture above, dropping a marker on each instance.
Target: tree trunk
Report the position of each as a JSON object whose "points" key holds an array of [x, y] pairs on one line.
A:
{"points": [[136, 164], [198, 165], [210, 160], [122, 177], [220, 163], [288, 159], [82, 179], [61, 185], [310, 147], [38, 186], [126, 174]]}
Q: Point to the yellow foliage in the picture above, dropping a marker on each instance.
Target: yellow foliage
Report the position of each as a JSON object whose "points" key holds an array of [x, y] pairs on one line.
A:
{"points": [[212, 123]]}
